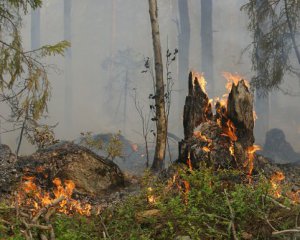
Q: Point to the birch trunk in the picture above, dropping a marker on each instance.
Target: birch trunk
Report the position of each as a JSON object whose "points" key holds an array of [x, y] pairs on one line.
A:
{"points": [[161, 125]]}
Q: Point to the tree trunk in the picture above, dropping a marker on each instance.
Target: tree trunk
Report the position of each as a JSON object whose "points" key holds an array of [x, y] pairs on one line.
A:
{"points": [[68, 66], [207, 44], [161, 125]]}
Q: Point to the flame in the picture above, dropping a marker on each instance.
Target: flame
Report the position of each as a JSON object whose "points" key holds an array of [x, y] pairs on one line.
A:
{"points": [[231, 149], [189, 162], [233, 78], [134, 147], [33, 196], [206, 149], [229, 130], [276, 179], [294, 196], [250, 163], [186, 191], [254, 116], [150, 197], [201, 80], [198, 134]]}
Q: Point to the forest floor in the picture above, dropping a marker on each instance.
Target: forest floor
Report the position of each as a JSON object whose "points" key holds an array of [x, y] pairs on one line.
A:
{"points": [[182, 203]]}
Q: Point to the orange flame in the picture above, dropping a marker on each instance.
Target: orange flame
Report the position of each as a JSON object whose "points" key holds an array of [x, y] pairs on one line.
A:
{"points": [[150, 197], [198, 134], [206, 149], [189, 162], [276, 179], [33, 196], [229, 130], [186, 191], [233, 78], [251, 150]]}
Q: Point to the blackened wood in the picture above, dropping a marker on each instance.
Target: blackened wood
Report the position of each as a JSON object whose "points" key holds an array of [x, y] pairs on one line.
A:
{"points": [[197, 108], [240, 112]]}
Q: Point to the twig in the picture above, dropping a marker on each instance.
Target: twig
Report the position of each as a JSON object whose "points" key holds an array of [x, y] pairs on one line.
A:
{"points": [[41, 227], [278, 203], [232, 216], [105, 233], [44, 209], [288, 231], [271, 226]]}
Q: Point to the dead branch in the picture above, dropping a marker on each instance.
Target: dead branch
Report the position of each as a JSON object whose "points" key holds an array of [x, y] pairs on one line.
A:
{"points": [[105, 233], [44, 209], [278, 203], [287, 231]]}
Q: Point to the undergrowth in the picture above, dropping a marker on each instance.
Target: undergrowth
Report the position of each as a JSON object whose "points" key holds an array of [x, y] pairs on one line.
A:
{"points": [[204, 204]]}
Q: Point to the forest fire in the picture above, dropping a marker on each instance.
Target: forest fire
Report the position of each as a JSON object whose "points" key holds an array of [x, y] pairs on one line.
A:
{"points": [[276, 180], [34, 197], [233, 79], [150, 197], [229, 130], [250, 163]]}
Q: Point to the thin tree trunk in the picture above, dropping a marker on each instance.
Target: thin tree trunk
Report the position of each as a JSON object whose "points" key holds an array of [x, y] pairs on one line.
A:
{"points": [[161, 126], [68, 66], [207, 61]]}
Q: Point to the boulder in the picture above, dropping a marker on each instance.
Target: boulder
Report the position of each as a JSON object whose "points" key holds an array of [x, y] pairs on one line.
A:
{"points": [[278, 148], [92, 174]]}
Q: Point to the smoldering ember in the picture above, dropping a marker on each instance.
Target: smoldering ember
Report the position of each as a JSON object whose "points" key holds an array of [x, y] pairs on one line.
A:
{"points": [[158, 119]]}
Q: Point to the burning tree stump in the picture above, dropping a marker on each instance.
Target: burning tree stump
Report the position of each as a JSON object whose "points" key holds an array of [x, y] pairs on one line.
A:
{"points": [[197, 108], [224, 139]]}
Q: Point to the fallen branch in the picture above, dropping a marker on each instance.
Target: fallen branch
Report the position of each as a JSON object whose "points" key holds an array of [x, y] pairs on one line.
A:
{"points": [[44, 209], [288, 231], [105, 233], [278, 203]]}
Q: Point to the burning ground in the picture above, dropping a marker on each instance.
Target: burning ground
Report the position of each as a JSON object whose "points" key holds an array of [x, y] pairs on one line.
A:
{"points": [[218, 189]]}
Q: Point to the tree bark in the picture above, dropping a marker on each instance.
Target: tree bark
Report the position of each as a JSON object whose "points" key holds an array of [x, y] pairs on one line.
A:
{"points": [[161, 126], [207, 44]]}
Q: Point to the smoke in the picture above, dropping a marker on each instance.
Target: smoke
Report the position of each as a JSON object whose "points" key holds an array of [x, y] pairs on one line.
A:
{"points": [[111, 38]]}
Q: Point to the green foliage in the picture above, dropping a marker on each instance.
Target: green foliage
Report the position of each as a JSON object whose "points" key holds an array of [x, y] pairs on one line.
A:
{"points": [[113, 147], [206, 209], [203, 211], [24, 83], [75, 228], [274, 25]]}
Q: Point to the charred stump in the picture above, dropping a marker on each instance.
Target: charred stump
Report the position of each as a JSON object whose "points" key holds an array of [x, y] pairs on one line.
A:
{"points": [[224, 139], [197, 108], [240, 112]]}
